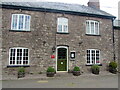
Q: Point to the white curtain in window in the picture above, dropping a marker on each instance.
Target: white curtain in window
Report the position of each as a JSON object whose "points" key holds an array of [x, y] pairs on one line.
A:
{"points": [[20, 22]]}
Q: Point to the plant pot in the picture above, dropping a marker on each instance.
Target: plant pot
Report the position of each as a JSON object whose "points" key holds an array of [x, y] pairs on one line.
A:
{"points": [[112, 70], [21, 74], [95, 71], [50, 74], [76, 73]]}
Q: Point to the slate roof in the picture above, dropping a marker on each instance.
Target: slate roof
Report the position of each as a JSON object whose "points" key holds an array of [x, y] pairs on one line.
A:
{"points": [[76, 8]]}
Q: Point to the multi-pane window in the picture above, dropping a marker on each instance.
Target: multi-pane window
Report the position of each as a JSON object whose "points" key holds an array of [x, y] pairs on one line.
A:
{"points": [[20, 22], [62, 25], [93, 56], [19, 56], [92, 27]]}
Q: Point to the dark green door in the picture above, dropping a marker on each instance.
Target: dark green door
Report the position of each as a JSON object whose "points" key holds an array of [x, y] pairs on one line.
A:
{"points": [[62, 59]]}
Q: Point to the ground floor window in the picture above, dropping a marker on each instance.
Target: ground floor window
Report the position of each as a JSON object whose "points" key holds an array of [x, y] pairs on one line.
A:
{"points": [[93, 56], [18, 56]]}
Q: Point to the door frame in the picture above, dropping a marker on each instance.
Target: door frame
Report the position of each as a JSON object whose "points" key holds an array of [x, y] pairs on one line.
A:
{"points": [[57, 57]]}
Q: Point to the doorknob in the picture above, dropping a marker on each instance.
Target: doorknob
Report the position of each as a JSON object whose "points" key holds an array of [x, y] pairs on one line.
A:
{"points": [[61, 62]]}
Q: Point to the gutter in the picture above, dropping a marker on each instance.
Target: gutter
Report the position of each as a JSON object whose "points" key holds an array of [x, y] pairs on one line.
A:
{"points": [[55, 11], [114, 55], [116, 27]]}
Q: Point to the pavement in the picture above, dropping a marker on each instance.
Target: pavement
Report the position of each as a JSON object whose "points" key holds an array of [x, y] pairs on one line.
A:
{"points": [[58, 75], [64, 80]]}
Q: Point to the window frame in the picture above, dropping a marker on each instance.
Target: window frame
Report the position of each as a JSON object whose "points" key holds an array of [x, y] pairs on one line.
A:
{"points": [[17, 56], [24, 22], [65, 25], [90, 27], [91, 57]]}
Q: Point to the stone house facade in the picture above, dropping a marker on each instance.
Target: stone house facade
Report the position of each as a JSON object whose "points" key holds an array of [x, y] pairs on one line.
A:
{"points": [[39, 35]]}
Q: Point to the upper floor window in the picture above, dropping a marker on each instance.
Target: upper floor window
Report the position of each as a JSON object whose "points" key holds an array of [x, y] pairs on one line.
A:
{"points": [[62, 25], [20, 22], [92, 27], [93, 56], [18, 56]]}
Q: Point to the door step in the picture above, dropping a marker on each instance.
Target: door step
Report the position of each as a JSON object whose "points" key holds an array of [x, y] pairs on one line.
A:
{"points": [[63, 74]]}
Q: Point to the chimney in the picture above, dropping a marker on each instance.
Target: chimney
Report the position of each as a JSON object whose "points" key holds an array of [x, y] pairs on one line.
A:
{"points": [[94, 4]]}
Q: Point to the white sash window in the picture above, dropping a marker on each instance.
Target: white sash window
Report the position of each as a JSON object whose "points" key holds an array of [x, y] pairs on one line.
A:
{"points": [[62, 25], [92, 27], [20, 22], [18, 56], [93, 56]]}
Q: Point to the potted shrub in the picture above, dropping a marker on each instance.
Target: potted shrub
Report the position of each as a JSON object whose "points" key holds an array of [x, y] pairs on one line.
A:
{"points": [[21, 72], [50, 72], [76, 71], [113, 67], [95, 69]]}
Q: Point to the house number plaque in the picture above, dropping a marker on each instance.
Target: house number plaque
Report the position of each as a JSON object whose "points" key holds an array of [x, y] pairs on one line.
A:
{"points": [[72, 54]]}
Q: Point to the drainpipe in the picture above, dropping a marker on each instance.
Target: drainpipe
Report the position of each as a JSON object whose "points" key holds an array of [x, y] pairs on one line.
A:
{"points": [[114, 56]]}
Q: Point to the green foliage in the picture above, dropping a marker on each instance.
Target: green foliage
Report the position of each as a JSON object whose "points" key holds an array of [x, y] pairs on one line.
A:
{"points": [[113, 65], [21, 70], [50, 69], [95, 67], [76, 68]]}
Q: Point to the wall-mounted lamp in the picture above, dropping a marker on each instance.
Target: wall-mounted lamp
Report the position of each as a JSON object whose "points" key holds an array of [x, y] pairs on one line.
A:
{"points": [[44, 42], [53, 49]]}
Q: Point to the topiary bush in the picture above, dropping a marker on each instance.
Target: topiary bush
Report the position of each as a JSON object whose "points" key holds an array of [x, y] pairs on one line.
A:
{"points": [[76, 68], [76, 71], [113, 64], [21, 69], [95, 69], [50, 72], [50, 69], [21, 72], [113, 67]]}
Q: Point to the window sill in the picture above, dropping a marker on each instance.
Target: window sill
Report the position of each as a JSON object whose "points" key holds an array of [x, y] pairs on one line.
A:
{"points": [[62, 33], [93, 64], [18, 66], [18, 31], [92, 35]]}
